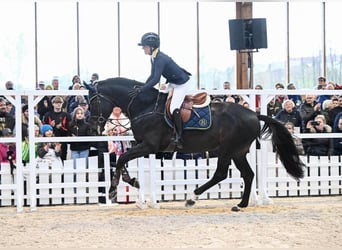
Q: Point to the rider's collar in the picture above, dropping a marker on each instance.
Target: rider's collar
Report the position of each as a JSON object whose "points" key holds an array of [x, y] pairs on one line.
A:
{"points": [[154, 53]]}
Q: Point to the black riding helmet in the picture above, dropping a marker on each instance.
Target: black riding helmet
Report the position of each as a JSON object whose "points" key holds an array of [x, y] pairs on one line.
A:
{"points": [[150, 39]]}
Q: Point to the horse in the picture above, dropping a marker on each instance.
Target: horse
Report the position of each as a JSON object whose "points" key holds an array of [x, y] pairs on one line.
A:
{"points": [[232, 131]]}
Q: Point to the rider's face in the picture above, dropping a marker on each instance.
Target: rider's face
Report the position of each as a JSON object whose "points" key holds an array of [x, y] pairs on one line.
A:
{"points": [[147, 50]]}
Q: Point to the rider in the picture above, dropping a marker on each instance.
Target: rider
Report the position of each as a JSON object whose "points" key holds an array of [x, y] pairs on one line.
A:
{"points": [[177, 78]]}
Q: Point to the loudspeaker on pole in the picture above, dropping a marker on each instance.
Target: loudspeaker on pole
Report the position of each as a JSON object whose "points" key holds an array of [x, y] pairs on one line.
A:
{"points": [[248, 34]]}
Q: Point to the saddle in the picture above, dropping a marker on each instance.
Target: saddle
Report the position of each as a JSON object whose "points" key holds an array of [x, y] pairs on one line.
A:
{"points": [[199, 100]]}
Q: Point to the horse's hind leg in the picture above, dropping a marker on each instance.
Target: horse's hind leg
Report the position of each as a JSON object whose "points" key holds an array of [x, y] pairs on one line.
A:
{"points": [[247, 175], [220, 174]]}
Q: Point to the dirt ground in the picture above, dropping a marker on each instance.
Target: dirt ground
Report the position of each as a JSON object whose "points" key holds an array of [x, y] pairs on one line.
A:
{"points": [[288, 222]]}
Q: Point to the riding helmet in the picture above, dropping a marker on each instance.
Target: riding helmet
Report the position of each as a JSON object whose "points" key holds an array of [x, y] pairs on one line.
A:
{"points": [[150, 39]]}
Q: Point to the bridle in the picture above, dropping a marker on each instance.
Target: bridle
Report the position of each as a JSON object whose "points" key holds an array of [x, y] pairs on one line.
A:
{"points": [[101, 120]]}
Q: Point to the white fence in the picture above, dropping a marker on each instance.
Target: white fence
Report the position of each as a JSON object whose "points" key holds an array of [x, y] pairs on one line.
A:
{"points": [[161, 180], [164, 180]]}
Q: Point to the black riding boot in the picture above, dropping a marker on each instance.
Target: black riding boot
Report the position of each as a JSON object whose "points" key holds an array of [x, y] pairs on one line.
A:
{"points": [[177, 119]]}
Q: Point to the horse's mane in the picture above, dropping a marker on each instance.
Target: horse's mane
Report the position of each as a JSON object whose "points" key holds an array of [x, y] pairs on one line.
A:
{"points": [[146, 100], [122, 81]]}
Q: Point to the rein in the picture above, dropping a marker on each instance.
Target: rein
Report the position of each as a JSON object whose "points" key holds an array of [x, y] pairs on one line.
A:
{"points": [[117, 123], [154, 111]]}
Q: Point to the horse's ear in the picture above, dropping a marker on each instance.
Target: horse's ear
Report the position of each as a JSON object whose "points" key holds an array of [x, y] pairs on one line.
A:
{"points": [[91, 89]]}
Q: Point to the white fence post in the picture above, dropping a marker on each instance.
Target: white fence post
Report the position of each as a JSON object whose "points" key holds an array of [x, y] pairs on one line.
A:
{"points": [[141, 177], [152, 171], [107, 176]]}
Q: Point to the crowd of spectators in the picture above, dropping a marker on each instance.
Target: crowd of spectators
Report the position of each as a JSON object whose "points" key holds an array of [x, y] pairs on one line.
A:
{"points": [[54, 116], [305, 114]]}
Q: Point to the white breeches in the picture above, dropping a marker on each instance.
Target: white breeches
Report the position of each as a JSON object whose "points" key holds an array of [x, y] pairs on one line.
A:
{"points": [[179, 92]]}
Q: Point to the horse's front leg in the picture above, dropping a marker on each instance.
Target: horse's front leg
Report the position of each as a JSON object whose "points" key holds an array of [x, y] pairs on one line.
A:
{"points": [[114, 184], [137, 151]]}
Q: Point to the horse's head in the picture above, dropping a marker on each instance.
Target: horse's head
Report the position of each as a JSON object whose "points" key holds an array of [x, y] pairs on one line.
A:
{"points": [[113, 92], [107, 94]]}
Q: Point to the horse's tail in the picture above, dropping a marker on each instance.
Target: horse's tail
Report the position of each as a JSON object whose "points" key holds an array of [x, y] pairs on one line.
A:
{"points": [[284, 146]]}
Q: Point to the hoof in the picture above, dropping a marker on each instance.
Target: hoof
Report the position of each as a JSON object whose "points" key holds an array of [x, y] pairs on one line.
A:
{"points": [[112, 193], [236, 209], [134, 183], [190, 203]]}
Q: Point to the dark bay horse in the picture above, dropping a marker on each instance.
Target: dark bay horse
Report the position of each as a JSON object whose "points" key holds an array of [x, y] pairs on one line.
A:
{"points": [[231, 134]]}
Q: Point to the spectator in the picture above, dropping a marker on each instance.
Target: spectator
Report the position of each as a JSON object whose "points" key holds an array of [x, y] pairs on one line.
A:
{"points": [[74, 99], [322, 83], [297, 141], [226, 85], [216, 98], [7, 149], [85, 106], [55, 86], [117, 124], [289, 113], [115, 148], [45, 104], [94, 78], [10, 109], [322, 98], [25, 118], [318, 146], [86, 97], [9, 85], [280, 98], [297, 99], [79, 127], [257, 98], [230, 98], [118, 120], [60, 122], [41, 85], [25, 132], [273, 107], [338, 141], [335, 110], [309, 109], [37, 131], [49, 152], [55, 83], [122, 125], [328, 105], [7, 121], [75, 79]]}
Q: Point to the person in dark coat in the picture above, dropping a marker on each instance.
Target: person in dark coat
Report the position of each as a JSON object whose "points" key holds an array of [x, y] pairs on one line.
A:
{"points": [[318, 146], [338, 129], [79, 127], [289, 113], [309, 109]]}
